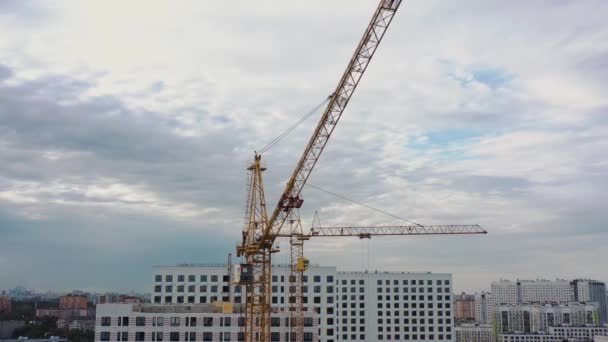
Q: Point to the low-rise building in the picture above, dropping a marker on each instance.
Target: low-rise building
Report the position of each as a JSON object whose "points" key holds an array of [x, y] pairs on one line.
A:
{"points": [[522, 337], [187, 322], [474, 333]]}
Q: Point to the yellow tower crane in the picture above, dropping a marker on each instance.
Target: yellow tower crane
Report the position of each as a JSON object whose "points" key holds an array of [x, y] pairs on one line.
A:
{"points": [[261, 230]]}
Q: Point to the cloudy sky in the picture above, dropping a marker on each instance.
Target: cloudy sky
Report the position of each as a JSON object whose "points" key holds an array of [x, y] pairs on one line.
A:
{"points": [[126, 128]]}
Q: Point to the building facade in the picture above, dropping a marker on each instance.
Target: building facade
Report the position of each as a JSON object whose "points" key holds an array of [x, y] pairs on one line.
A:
{"points": [[531, 291], [586, 290], [183, 322], [464, 307], [535, 318], [352, 306], [474, 333], [483, 308], [559, 334], [71, 302]]}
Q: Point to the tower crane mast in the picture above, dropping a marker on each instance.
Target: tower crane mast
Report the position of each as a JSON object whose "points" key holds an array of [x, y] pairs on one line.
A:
{"points": [[261, 230]]}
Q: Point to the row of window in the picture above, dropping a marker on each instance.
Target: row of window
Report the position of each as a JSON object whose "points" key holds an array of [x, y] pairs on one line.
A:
{"points": [[191, 336], [202, 288], [413, 289], [140, 321], [412, 305], [415, 337], [415, 313], [416, 321], [414, 329], [317, 279], [106, 321], [191, 278], [413, 282], [419, 298]]}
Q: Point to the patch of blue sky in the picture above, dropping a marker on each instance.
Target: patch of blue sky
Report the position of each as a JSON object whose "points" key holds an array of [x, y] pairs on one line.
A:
{"points": [[447, 142], [443, 138], [492, 76]]}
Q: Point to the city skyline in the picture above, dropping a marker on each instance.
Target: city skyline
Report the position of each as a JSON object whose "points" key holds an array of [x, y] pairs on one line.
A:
{"points": [[126, 130]]}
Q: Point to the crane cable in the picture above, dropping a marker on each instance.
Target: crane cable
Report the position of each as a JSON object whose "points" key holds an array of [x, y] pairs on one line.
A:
{"points": [[363, 205], [294, 126]]}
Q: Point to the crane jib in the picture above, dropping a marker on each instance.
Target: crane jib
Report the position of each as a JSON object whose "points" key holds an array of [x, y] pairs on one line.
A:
{"points": [[340, 98]]}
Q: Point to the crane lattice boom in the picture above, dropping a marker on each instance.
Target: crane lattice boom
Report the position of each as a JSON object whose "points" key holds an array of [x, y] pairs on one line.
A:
{"points": [[368, 232], [374, 33]]}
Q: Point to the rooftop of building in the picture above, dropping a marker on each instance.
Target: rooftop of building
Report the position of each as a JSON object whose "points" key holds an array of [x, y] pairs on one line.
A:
{"points": [[226, 266]]}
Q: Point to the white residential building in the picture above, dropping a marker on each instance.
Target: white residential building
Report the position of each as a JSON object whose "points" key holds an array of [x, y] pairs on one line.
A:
{"points": [[352, 306], [474, 333], [560, 334], [587, 290], [531, 291], [483, 308], [183, 322], [536, 318]]}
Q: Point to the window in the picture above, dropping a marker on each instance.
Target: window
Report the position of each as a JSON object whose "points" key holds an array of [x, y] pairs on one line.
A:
{"points": [[225, 336], [275, 336], [157, 299], [159, 321], [175, 321], [180, 288], [168, 288], [330, 279], [208, 322], [191, 288], [180, 278], [159, 336], [140, 321], [174, 336], [207, 336], [317, 279], [190, 336], [140, 336], [307, 336], [308, 321], [191, 278], [227, 322], [158, 278], [158, 288], [191, 321], [214, 278], [104, 336], [168, 278], [122, 336], [106, 321], [123, 322], [203, 278]]}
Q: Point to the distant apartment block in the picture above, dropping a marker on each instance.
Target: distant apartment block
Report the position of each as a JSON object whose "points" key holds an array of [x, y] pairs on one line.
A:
{"points": [[111, 298], [70, 302], [352, 306], [483, 308], [464, 307], [534, 318], [5, 304], [559, 334], [531, 291], [586, 290], [194, 322], [474, 333]]}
